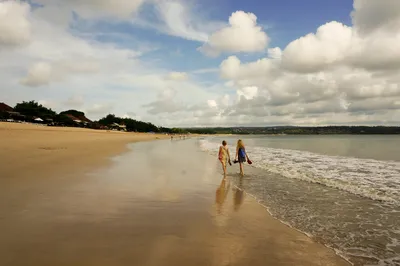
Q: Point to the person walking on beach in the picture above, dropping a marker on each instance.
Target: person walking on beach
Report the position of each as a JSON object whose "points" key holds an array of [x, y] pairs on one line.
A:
{"points": [[241, 155], [224, 156]]}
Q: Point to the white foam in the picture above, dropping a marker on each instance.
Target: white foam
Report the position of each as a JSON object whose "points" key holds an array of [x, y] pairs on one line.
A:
{"points": [[337, 252], [374, 179]]}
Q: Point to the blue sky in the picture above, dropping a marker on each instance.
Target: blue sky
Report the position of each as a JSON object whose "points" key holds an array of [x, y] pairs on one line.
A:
{"points": [[201, 63], [284, 20]]}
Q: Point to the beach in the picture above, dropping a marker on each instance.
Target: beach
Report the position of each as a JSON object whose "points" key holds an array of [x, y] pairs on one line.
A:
{"points": [[85, 197], [28, 148]]}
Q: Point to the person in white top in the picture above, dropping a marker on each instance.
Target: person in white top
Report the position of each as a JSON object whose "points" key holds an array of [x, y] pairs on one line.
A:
{"points": [[224, 156]]}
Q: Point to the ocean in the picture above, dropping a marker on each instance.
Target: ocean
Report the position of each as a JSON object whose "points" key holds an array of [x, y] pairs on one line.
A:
{"points": [[341, 190]]}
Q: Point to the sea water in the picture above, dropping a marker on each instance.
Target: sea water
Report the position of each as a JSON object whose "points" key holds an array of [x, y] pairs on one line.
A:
{"points": [[343, 191]]}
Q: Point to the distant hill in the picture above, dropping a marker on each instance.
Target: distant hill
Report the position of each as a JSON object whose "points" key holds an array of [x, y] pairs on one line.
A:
{"points": [[298, 130], [76, 115]]}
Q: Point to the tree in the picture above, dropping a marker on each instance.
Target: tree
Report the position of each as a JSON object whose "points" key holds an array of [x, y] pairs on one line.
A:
{"points": [[73, 113], [64, 120], [109, 119], [131, 124], [78, 114], [32, 108]]}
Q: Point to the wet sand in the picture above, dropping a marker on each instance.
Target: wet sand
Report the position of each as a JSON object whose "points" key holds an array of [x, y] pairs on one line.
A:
{"points": [[159, 203]]}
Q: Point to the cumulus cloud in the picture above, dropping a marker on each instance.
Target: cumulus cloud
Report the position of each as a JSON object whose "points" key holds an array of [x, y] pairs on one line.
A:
{"points": [[15, 28], [339, 74], [314, 52], [242, 35], [232, 68], [370, 15], [360, 46], [248, 92], [275, 53]]}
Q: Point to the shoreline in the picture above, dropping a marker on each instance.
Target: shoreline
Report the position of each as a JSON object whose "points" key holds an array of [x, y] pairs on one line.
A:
{"points": [[337, 252]]}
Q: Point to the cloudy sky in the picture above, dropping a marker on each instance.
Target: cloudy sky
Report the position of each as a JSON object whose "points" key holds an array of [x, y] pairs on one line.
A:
{"points": [[206, 62]]}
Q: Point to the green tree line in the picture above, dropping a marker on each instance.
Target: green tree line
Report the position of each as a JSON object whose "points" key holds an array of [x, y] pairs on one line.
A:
{"points": [[32, 109]]}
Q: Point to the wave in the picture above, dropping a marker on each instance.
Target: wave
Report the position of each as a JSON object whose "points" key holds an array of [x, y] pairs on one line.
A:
{"points": [[374, 179]]}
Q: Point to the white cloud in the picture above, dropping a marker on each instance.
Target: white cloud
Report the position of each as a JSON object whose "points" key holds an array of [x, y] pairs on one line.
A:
{"points": [[243, 35], [75, 101], [212, 103], [205, 70], [232, 68], [248, 93], [340, 74], [96, 8], [314, 52], [48, 103], [104, 73], [99, 109], [15, 28], [371, 15], [275, 53], [165, 103], [178, 21], [375, 51], [39, 74], [43, 73], [178, 76], [360, 46], [178, 18]]}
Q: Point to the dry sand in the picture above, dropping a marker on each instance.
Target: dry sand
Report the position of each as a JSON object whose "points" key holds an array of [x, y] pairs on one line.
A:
{"points": [[28, 148], [163, 203]]}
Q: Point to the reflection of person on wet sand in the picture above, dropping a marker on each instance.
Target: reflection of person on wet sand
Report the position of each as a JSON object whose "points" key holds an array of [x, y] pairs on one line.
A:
{"points": [[238, 195], [222, 193]]}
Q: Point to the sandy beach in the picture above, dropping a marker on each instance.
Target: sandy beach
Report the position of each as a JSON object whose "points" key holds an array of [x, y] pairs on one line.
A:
{"points": [[64, 202], [28, 148]]}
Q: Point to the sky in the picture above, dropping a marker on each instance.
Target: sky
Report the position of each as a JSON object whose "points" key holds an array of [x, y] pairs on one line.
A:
{"points": [[195, 63]]}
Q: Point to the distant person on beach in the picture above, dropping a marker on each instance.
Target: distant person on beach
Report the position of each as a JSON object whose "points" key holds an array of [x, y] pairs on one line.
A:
{"points": [[241, 155], [224, 156]]}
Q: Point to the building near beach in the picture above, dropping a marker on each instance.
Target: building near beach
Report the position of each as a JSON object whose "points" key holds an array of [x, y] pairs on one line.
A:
{"points": [[5, 108], [116, 126], [8, 113]]}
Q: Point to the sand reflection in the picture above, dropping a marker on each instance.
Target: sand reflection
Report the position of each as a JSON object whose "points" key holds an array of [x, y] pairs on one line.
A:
{"points": [[238, 194], [221, 194]]}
